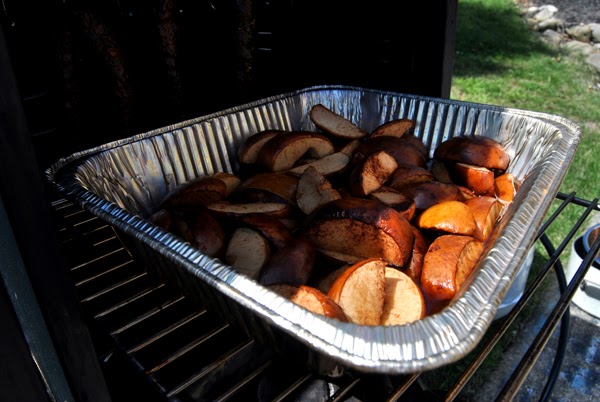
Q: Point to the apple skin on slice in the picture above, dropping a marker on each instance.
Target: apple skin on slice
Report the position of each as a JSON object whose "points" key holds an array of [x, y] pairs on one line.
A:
{"points": [[452, 217], [486, 211], [292, 264], [200, 191], [477, 150], [371, 173], [279, 184], [314, 190], [311, 299], [476, 178], [362, 227], [360, 291], [269, 227], [334, 124], [250, 148], [505, 187], [402, 151], [394, 128], [448, 262], [284, 150]]}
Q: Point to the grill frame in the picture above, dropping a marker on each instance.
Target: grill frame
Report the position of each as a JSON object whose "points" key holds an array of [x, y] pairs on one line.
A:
{"points": [[350, 383]]}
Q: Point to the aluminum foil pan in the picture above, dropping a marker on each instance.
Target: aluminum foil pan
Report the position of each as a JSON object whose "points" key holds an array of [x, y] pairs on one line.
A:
{"points": [[122, 182]]}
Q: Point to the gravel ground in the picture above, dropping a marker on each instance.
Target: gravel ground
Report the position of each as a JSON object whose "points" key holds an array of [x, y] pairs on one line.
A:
{"points": [[573, 11]]}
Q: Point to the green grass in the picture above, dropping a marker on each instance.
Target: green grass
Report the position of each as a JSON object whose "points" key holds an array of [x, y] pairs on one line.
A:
{"points": [[500, 61]]}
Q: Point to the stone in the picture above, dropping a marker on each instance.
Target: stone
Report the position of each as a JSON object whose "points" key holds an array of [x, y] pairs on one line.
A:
{"points": [[595, 32], [582, 33], [550, 23], [531, 11], [552, 37], [594, 61], [545, 12], [574, 46]]}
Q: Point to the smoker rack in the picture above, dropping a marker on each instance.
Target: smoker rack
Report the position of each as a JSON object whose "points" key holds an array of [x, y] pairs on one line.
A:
{"points": [[151, 341]]}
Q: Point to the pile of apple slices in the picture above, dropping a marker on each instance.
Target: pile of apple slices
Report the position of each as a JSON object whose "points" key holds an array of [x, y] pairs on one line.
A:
{"points": [[362, 227]]}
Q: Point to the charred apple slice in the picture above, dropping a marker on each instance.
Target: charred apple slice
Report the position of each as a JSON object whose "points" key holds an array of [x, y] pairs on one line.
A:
{"points": [[283, 151], [394, 128], [477, 150], [334, 124], [311, 299]]}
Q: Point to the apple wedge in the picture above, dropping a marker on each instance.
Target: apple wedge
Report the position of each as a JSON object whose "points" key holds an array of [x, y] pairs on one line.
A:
{"points": [[275, 209], [360, 291], [448, 262], [231, 181], [328, 165], [371, 173], [505, 187], [324, 282], [311, 299], [313, 191], [431, 193], [402, 151], [203, 231], [162, 218], [362, 227], [486, 211], [478, 150], [440, 171], [417, 143], [394, 128], [420, 246], [395, 199], [292, 264], [452, 217], [349, 147], [476, 178], [248, 151], [283, 151], [279, 184], [278, 234], [248, 252], [334, 124], [404, 302], [407, 174], [200, 191]]}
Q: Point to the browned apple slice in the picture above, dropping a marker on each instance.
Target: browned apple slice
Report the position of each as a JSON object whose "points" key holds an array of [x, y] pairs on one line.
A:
{"points": [[334, 124], [404, 301], [336, 258], [328, 165], [395, 199], [431, 193], [476, 178], [360, 291], [406, 175], [324, 282], [275, 209], [362, 227], [417, 143], [394, 128], [248, 151], [283, 151], [349, 147], [420, 246], [292, 264], [231, 181], [453, 217], [311, 299], [371, 173], [248, 252], [477, 150], [269, 227], [505, 187], [162, 218], [279, 184], [402, 151], [313, 191], [450, 259], [199, 228], [486, 211], [440, 171], [201, 191]]}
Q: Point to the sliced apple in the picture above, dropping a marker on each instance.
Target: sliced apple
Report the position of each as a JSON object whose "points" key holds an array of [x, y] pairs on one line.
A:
{"points": [[313, 191], [448, 262], [476, 178], [404, 302], [279, 184], [372, 172], [360, 291], [486, 211], [292, 264], [328, 165], [283, 151], [362, 227], [407, 174], [394, 128], [248, 252], [311, 299], [349, 147], [162, 218], [277, 233], [395, 199], [334, 124], [440, 171], [402, 151], [248, 151], [417, 143], [231, 181], [420, 246], [201, 191], [453, 217], [324, 282], [505, 187], [337, 258], [477, 150], [275, 209], [431, 193]]}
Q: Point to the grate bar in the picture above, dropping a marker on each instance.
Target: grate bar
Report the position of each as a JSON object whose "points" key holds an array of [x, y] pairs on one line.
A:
{"points": [[297, 384], [245, 381], [91, 278], [133, 298], [98, 258], [340, 395], [404, 387], [210, 368], [114, 287], [146, 315], [165, 331], [182, 351]]}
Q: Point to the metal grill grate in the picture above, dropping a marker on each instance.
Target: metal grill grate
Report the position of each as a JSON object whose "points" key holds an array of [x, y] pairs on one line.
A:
{"points": [[183, 352]]}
